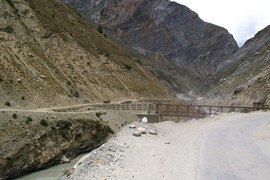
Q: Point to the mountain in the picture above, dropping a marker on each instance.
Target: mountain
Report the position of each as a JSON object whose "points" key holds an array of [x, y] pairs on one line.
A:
{"points": [[245, 77], [50, 56], [167, 38]]}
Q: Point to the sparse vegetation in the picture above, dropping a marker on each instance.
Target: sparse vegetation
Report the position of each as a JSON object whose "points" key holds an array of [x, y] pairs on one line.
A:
{"points": [[97, 125], [128, 67], [109, 130], [69, 83], [7, 103], [65, 172], [14, 116], [98, 114], [100, 29], [76, 94], [62, 124], [29, 119], [43, 122]]}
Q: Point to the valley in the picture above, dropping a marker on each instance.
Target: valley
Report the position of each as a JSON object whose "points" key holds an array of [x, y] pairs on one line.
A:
{"points": [[62, 62]]}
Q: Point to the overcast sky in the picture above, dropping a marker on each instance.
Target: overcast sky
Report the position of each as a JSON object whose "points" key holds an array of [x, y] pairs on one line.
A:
{"points": [[242, 18]]}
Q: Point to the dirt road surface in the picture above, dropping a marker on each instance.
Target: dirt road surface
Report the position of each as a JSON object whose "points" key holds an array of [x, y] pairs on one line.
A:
{"points": [[224, 147]]}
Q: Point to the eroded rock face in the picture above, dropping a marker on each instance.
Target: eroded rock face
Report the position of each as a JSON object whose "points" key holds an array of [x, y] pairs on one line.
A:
{"points": [[26, 147], [244, 77], [176, 44]]}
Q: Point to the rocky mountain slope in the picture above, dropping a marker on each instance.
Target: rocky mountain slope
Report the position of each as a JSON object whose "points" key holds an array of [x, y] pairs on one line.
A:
{"points": [[50, 56], [169, 39], [245, 77]]}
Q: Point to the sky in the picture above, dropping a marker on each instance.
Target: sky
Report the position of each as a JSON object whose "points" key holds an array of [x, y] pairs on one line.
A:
{"points": [[242, 18]]}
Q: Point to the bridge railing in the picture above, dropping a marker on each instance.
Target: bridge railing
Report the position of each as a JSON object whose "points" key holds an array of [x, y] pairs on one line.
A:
{"points": [[134, 107], [179, 110], [200, 110], [212, 110]]}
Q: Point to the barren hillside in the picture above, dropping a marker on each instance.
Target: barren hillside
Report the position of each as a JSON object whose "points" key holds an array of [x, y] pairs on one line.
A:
{"points": [[245, 77], [49, 56]]}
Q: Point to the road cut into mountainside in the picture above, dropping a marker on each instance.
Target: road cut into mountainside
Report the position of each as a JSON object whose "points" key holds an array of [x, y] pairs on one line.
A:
{"points": [[228, 146]]}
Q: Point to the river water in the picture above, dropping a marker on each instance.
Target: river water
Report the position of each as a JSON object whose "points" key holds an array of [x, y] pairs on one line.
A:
{"points": [[51, 173]]}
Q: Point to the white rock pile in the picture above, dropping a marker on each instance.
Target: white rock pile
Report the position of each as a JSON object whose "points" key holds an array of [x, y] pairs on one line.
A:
{"points": [[142, 130]]}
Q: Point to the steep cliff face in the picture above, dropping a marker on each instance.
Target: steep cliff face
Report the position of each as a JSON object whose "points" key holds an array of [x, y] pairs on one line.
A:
{"points": [[50, 56], [176, 44], [32, 141], [245, 77]]}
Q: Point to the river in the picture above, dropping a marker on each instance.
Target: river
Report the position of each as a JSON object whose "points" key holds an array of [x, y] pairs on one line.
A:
{"points": [[51, 173]]}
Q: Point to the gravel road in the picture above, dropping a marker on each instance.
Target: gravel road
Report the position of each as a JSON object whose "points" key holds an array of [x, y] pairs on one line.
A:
{"points": [[228, 146]]}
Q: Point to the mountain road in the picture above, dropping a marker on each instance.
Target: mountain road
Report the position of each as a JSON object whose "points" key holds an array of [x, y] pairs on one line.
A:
{"points": [[224, 147]]}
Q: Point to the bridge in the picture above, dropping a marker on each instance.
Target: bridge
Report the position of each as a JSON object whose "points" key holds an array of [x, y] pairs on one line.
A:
{"points": [[157, 111]]}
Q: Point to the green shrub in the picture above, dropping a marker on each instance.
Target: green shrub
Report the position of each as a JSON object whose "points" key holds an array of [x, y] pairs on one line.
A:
{"points": [[43, 122], [109, 130], [22, 98], [128, 67], [29, 119], [98, 114], [99, 29], [7, 103], [69, 83], [62, 124], [14, 116]]}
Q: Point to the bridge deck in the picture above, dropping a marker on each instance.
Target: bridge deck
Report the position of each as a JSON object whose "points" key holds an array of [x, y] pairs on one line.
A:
{"points": [[159, 110]]}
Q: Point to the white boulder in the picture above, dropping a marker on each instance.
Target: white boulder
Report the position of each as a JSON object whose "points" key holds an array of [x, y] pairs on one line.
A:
{"points": [[152, 131], [142, 130], [144, 120], [137, 133], [132, 126]]}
